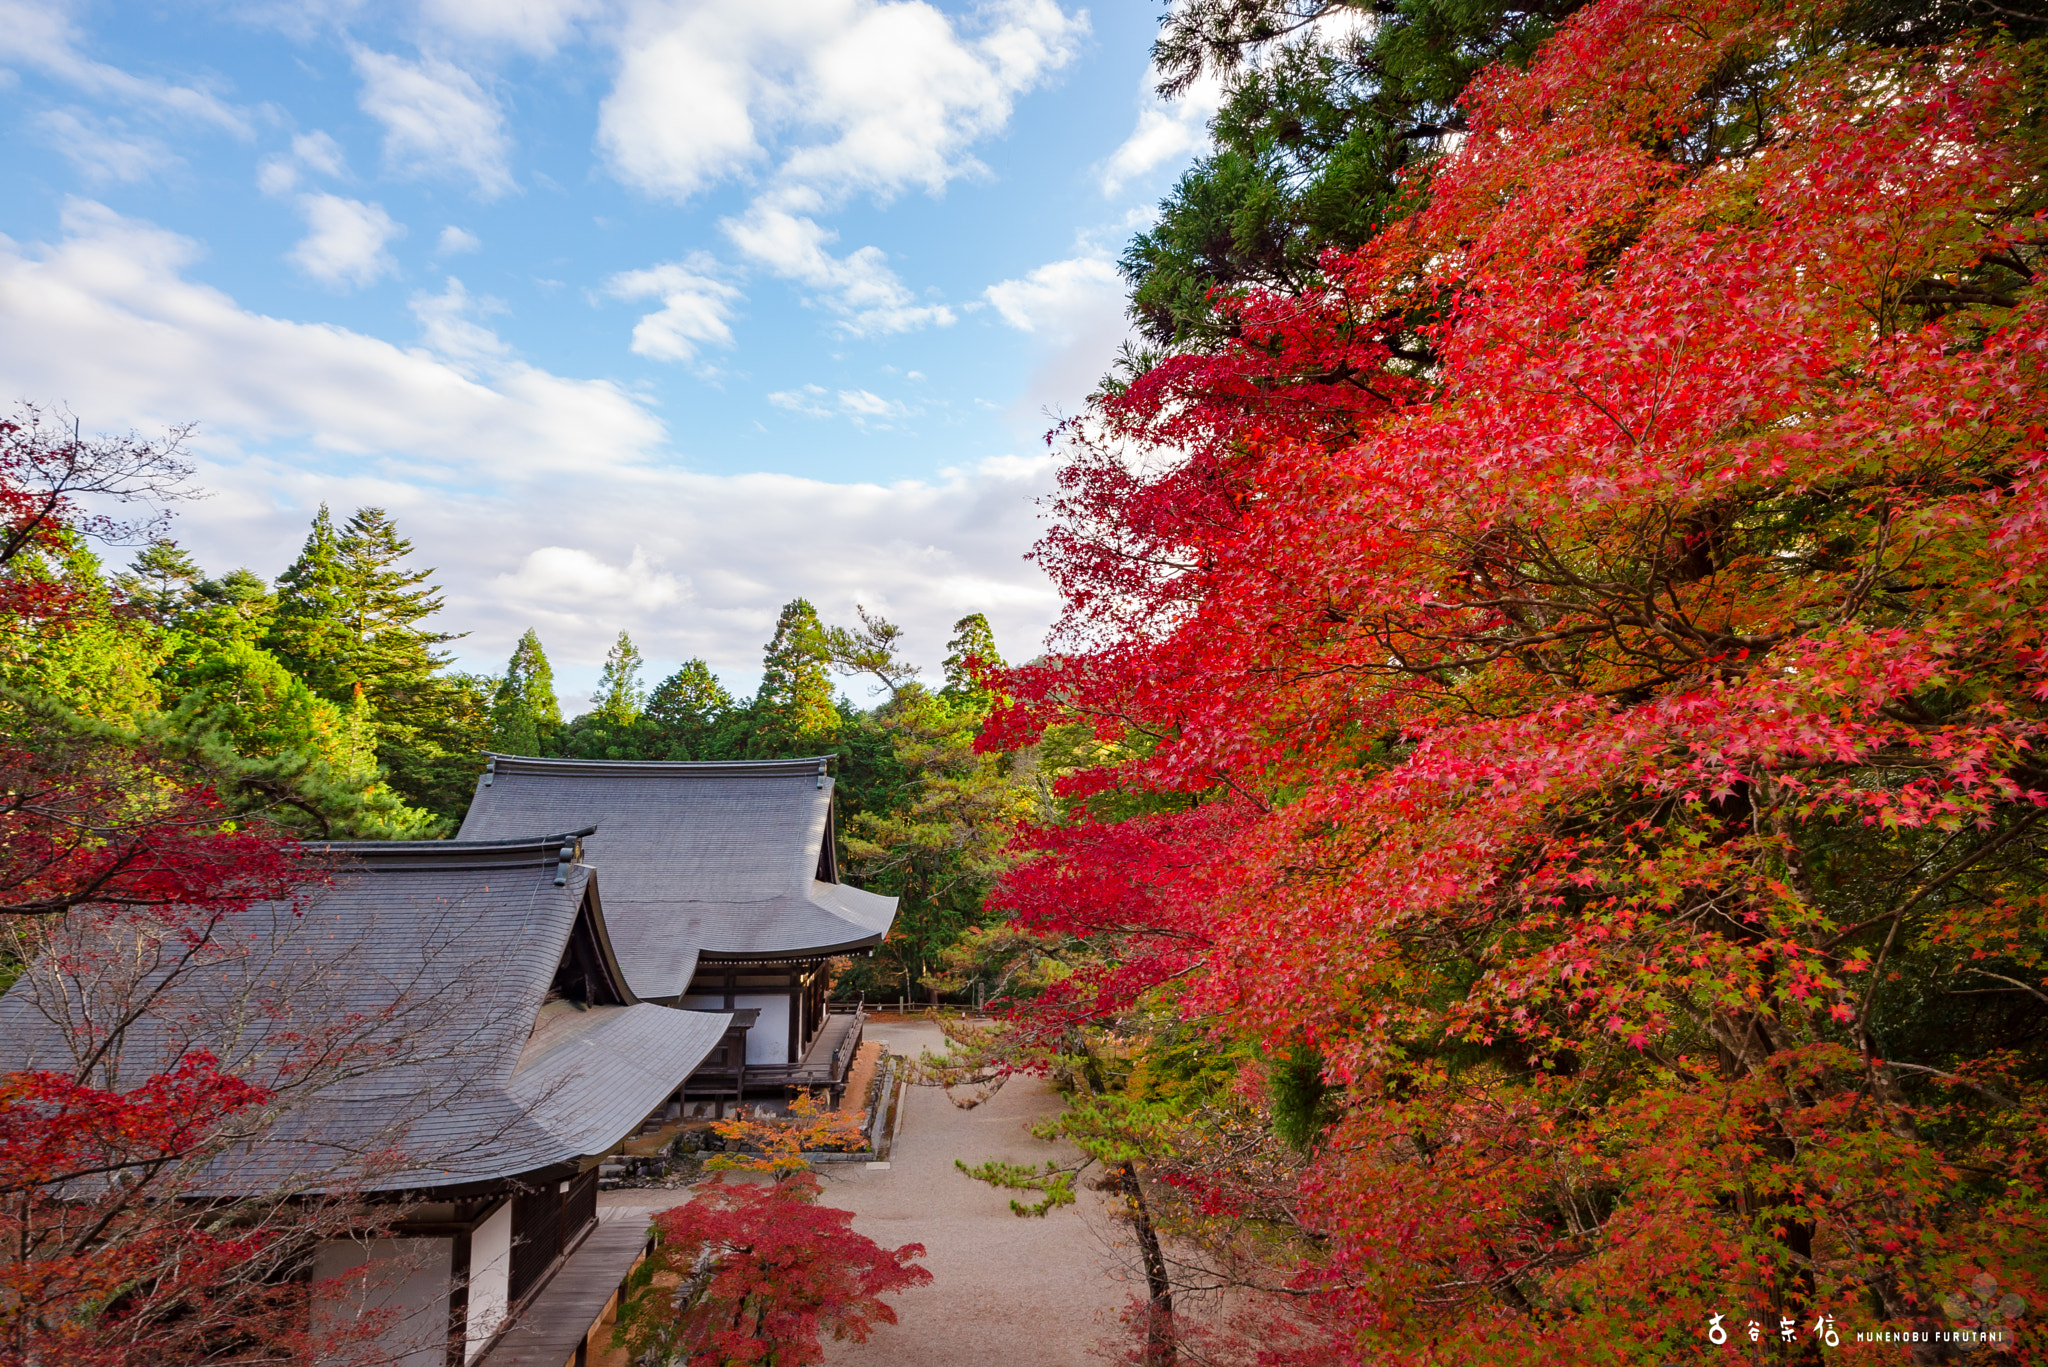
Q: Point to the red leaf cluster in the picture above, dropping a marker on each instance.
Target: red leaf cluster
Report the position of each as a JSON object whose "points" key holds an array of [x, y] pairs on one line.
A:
{"points": [[1587, 635], [112, 1249], [758, 1273]]}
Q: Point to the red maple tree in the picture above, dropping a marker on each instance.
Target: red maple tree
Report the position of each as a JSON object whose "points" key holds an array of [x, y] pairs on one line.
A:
{"points": [[1585, 664], [122, 873], [751, 1274], [757, 1273]]}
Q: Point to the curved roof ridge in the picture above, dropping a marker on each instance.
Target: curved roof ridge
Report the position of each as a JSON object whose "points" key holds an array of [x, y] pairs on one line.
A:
{"points": [[710, 859], [393, 855], [802, 767]]}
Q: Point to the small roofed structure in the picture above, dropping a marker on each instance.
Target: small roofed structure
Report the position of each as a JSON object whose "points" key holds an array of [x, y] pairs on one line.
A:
{"points": [[505, 1050], [722, 892]]}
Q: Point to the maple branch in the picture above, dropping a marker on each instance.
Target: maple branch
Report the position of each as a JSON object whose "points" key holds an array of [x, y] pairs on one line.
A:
{"points": [[1898, 917], [2000, 1097], [2035, 992]]}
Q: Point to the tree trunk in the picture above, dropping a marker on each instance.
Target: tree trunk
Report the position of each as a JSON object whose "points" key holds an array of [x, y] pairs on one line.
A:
{"points": [[1159, 1347]]}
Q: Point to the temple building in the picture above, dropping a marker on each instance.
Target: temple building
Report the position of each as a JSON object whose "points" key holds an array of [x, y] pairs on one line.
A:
{"points": [[487, 1053], [722, 893], [502, 1011]]}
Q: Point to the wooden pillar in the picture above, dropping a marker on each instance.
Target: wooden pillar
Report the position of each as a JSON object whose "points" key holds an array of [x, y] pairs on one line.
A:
{"points": [[458, 1303], [796, 1016]]}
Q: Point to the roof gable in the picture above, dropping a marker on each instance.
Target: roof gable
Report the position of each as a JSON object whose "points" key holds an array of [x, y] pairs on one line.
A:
{"points": [[434, 961], [730, 859]]}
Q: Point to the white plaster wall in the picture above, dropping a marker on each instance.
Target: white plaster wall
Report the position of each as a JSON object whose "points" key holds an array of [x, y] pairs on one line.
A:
{"points": [[411, 1277], [768, 1041], [490, 1277]]}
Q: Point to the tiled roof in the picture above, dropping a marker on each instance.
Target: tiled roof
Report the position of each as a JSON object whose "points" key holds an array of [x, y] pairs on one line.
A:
{"points": [[718, 858], [429, 961]]}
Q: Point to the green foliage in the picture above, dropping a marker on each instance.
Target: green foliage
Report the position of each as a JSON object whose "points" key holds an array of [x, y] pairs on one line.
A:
{"points": [[1055, 1182], [870, 650], [691, 714], [348, 620], [159, 581], [933, 819], [524, 712], [165, 659], [309, 630], [434, 760], [619, 694], [1301, 1104], [349, 614], [1315, 129], [973, 643], [264, 710], [795, 713], [104, 662], [237, 606]]}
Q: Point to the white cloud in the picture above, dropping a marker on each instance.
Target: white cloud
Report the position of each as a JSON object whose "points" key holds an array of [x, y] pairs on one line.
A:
{"points": [[536, 26], [42, 35], [865, 94], [1074, 310], [567, 577], [680, 117], [104, 149], [523, 488], [868, 404], [276, 176], [837, 97], [869, 298], [805, 400], [455, 241], [448, 325], [696, 308], [315, 151], [1168, 132], [107, 313], [866, 409], [902, 94], [1058, 297], [319, 152], [344, 244], [437, 121], [871, 412]]}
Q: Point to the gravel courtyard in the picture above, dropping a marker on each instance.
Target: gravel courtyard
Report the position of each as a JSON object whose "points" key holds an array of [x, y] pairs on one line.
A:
{"points": [[1020, 1292]]}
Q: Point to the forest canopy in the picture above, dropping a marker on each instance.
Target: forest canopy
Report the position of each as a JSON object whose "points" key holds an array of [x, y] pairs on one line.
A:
{"points": [[336, 680]]}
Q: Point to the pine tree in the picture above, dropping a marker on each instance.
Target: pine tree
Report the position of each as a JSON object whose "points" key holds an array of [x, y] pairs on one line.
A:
{"points": [[872, 650], [972, 640], [238, 606], [308, 633], [524, 712], [689, 713], [930, 818], [1317, 127], [264, 711], [160, 580], [795, 709], [348, 621], [348, 614], [619, 696]]}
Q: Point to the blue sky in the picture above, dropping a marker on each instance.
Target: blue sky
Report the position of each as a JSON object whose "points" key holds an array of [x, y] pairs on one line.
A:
{"points": [[636, 315]]}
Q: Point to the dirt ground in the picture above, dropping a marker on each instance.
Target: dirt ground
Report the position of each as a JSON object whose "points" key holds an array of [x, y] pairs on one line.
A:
{"points": [[1019, 1292]]}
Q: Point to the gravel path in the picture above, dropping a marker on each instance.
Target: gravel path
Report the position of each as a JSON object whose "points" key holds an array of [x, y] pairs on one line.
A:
{"points": [[1019, 1292], [1016, 1292]]}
